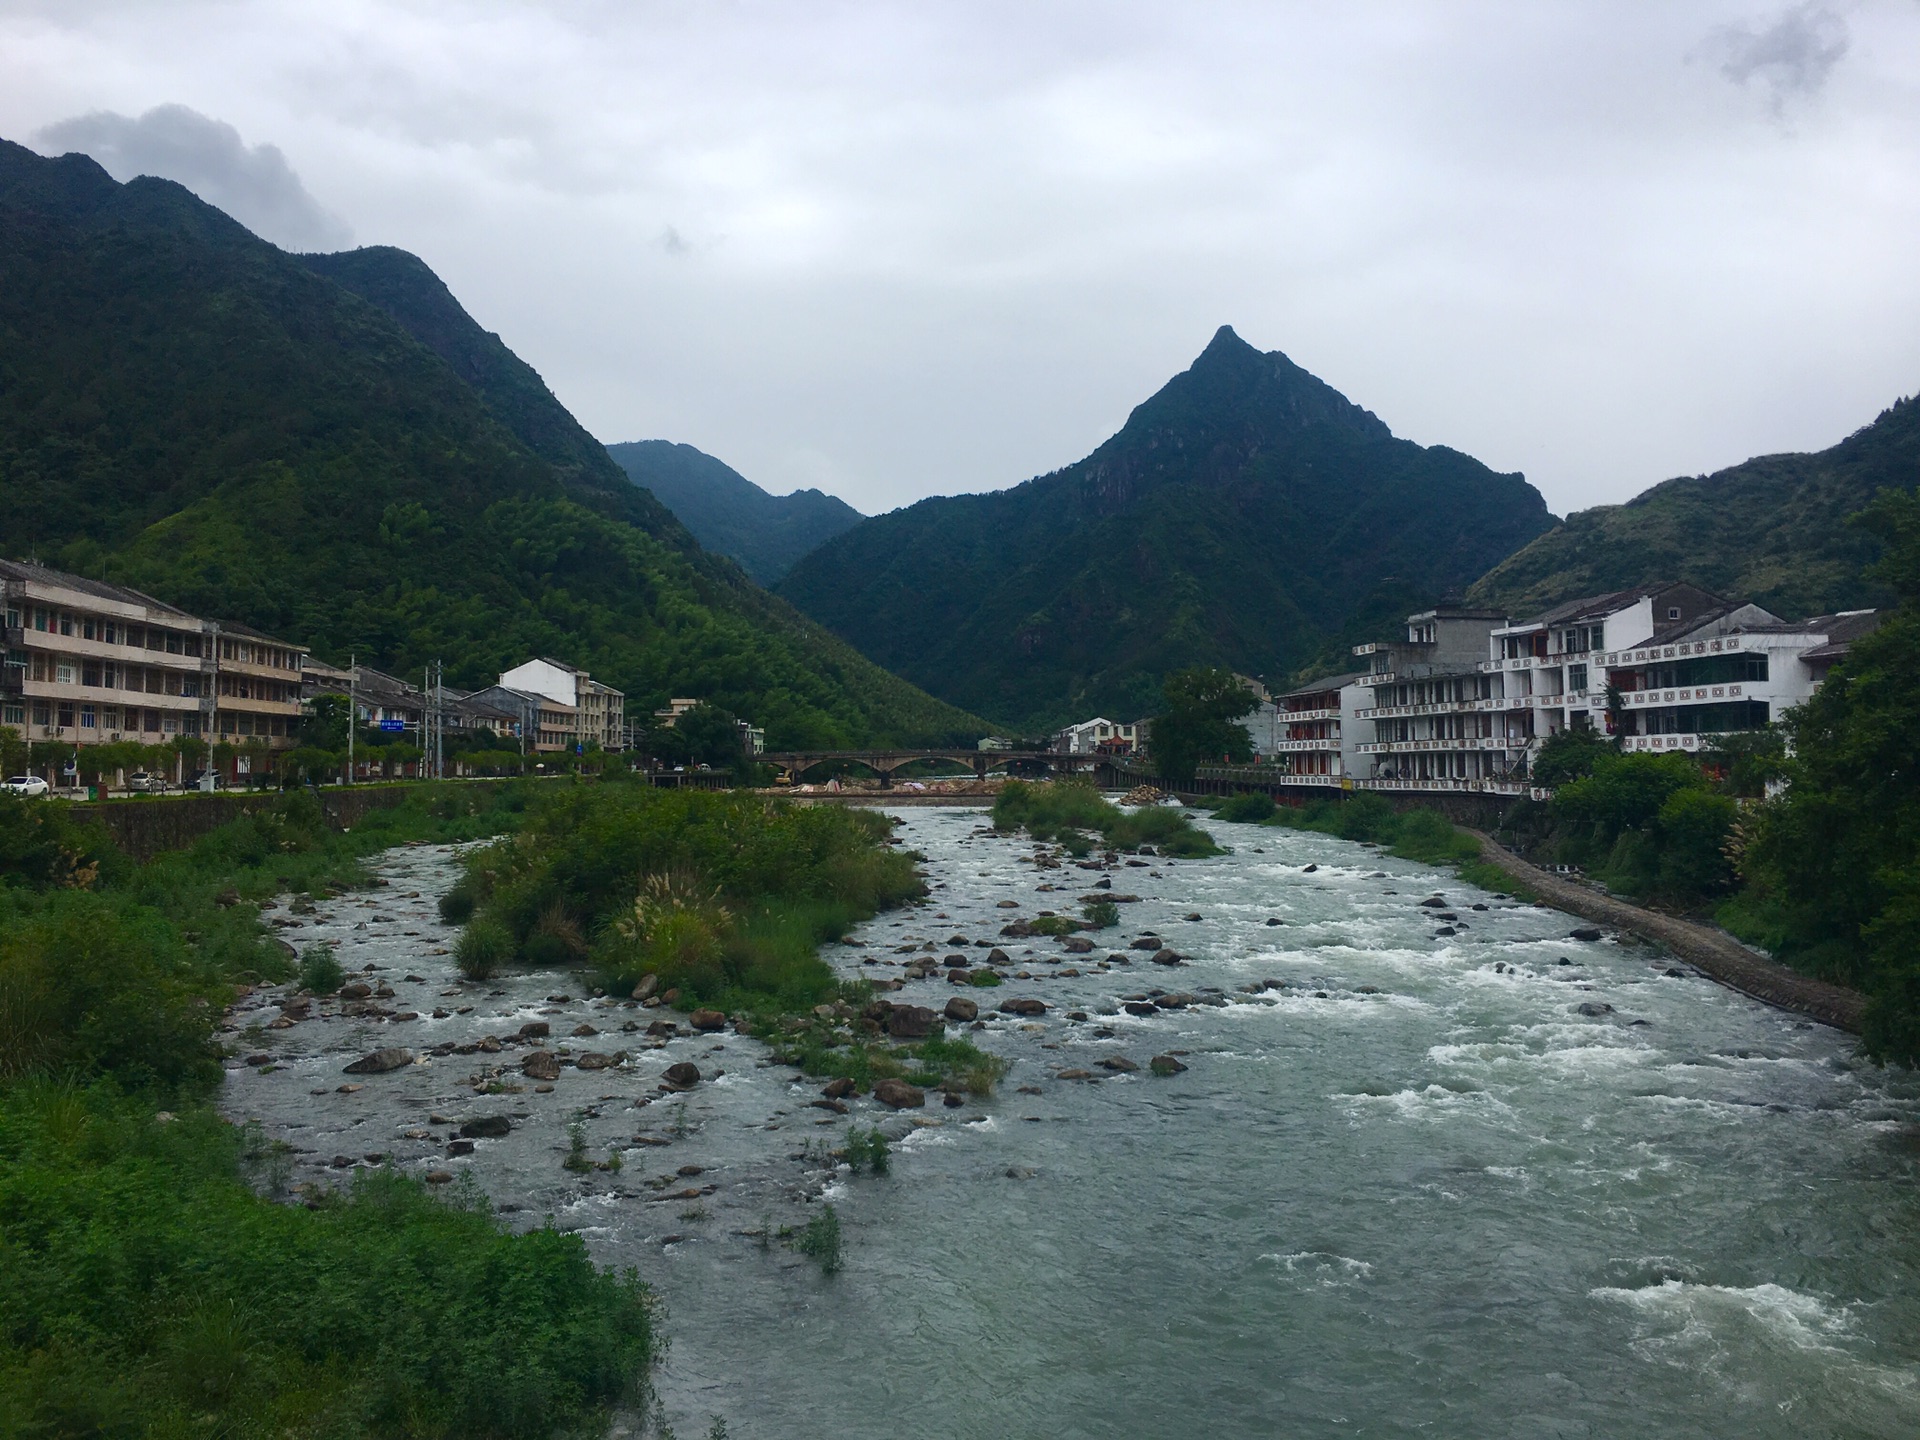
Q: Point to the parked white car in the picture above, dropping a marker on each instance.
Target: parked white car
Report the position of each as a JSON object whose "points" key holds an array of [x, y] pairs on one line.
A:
{"points": [[26, 785], [141, 783]]}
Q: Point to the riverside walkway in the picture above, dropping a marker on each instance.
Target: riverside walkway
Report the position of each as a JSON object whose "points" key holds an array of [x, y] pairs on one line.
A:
{"points": [[1713, 952]]}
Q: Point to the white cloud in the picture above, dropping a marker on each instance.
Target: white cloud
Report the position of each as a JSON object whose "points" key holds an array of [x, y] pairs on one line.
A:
{"points": [[253, 184], [1792, 56]]}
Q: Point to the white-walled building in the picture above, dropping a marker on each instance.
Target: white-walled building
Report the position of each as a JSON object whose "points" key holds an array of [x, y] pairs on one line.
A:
{"points": [[1316, 729], [1098, 736], [597, 713]]}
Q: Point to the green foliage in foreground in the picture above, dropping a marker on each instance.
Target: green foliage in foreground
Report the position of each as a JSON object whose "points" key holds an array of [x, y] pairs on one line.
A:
{"points": [[1834, 864], [150, 1291], [724, 897], [1065, 810]]}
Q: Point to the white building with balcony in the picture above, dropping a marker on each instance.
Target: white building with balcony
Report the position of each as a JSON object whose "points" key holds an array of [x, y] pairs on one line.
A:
{"points": [[1098, 736], [1316, 729]]}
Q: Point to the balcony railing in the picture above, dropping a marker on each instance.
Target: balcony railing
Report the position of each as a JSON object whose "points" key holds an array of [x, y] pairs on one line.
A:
{"points": [[1326, 742], [1481, 787], [1452, 742], [1301, 717]]}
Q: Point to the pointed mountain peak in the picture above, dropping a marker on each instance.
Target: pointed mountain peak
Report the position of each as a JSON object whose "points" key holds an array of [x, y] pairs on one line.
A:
{"points": [[1226, 341]]}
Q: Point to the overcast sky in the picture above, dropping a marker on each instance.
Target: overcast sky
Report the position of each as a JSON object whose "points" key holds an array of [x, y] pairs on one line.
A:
{"points": [[903, 249]]}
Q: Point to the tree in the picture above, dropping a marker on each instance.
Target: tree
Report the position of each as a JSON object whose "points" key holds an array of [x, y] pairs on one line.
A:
{"points": [[711, 735], [325, 726], [1198, 724], [1569, 755], [1840, 851], [13, 751]]}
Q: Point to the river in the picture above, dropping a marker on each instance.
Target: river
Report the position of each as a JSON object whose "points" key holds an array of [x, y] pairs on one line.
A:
{"points": [[1413, 1191]]}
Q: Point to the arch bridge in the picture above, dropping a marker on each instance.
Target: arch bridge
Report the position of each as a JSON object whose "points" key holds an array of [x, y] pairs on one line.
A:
{"points": [[884, 763]]}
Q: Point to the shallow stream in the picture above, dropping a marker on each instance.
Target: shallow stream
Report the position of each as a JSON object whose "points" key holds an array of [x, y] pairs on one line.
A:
{"points": [[1412, 1190]]}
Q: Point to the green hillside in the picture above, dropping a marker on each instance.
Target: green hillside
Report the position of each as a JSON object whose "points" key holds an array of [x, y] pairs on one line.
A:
{"points": [[728, 513], [188, 409], [1246, 515], [1773, 530]]}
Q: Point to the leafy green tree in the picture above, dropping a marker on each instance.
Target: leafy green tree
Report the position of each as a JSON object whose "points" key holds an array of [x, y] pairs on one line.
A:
{"points": [[1569, 755], [325, 726], [13, 751], [711, 735], [1840, 851], [1197, 727]]}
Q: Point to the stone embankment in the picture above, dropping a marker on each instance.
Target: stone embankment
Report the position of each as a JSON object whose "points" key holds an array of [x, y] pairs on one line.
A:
{"points": [[1715, 953]]}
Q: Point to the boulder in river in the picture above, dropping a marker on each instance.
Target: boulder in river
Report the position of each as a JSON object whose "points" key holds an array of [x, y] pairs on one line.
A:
{"points": [[1078, 945], [1593, 1008], [1147, 942], [1165, 1065], [1023, 1005], [597, 1060], [1164, 956], [962, 1010], [910, 1022], [1584, 933], [838, 1089], [486, 1127], [898, 1095], [682, 1076], [1434, 902], [1119, 1064], [708, 1020], [648, 984], [354, 990], [997, 956], [534, 1030], [541, 1065], [381, 1061], [1142, 1008]]}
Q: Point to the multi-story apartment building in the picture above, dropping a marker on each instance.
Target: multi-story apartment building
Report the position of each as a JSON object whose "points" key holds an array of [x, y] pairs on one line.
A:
{"points": [[592, 713], [1315, 728], [256, 685], [1737, 668], [1431, 704], [89, 663]]}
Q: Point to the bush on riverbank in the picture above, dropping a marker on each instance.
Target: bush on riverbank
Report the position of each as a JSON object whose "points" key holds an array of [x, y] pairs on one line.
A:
{"points": [[1063, 811], [1423, 835], [149, 1289]]}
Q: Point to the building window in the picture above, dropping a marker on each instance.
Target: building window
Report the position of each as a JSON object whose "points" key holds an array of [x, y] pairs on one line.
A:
{"points": [[153, 722], [42, 713], [110, 718], [1673, 612], [63, 673], [86, 717], [169, 725], [14, 715], [66, 623]]}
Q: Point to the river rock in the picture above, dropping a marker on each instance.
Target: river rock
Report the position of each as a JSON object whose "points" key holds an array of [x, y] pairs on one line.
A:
{"points": [[460, 1147], [381, 1061], [1142, 1008], [682, 1076], [648, 984], [997, 956], [1119, 1064], [1434, 902], [1078, 945], [910, 1022], [708, 1020], [541, 1065], [1584, 933], [597, 1060], [355, 990], [1023, 1005], [1074, 1075], [1009, 905], [838, 1089], [836, 1106], [1308, 869], [1165, 1065], [1593, 1007], [959, 976], [1164, 956], [486, 1127], [583, 1030], [439, 1177], [1178, 1000], [535, 1030], [898, 1095], [1147, 942], [962, 1010]]}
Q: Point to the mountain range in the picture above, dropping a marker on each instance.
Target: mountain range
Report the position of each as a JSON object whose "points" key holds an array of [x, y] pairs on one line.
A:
{"points": [[1246, 515], [330, 449], [729, 514]]}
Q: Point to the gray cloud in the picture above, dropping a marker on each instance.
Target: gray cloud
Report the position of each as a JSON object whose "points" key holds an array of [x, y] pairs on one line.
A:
{"points": [[1792, 56], [254, 184]]}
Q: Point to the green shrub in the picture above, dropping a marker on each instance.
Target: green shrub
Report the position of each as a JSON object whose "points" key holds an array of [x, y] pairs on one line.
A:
{"points": [[1061, 809], [820, 1239], [456, 906], [866, 1149], [1101, 914], [484, 949], [320, 970], [983, 977], [1248, 809]]}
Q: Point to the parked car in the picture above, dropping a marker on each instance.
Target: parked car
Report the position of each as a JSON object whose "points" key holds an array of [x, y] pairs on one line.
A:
{"points": [[26, 785], [141, 783], [206, 780]]}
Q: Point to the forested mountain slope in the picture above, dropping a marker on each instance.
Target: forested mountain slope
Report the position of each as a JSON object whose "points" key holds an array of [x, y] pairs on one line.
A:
{"points": [[1246, 515], [331, 450], [728, 513], [1774, 530]]}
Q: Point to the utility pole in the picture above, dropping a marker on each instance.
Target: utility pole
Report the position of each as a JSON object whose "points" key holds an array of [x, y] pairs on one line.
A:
{"points": [[353, 709]]}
